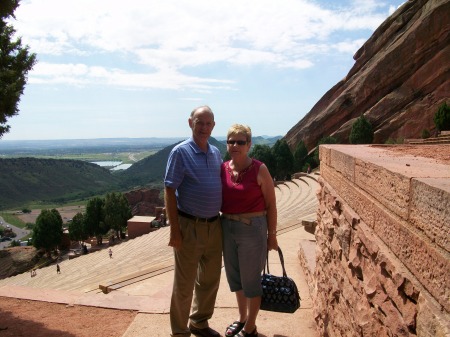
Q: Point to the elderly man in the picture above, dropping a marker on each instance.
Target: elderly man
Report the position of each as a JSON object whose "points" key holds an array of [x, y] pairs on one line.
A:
{"points": [[193, 197]]}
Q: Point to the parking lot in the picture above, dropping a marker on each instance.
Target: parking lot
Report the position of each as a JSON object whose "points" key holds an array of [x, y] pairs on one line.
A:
{"points": [[19, 232]]}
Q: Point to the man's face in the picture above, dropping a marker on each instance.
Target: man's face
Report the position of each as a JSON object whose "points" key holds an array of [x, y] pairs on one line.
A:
{"points": [[202, 124]]}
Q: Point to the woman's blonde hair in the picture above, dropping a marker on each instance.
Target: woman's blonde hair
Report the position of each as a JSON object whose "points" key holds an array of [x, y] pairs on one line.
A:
{"points": [[239, 129]]}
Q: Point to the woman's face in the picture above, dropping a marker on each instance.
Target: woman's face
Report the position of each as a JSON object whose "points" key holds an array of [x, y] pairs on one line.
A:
{"points": [[237, 145]]}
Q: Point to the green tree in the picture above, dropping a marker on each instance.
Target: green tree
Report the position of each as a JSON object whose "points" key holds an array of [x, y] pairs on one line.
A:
{"points": [[300, 157], [442, 118], [283, 158], [362, 131], [117, 212], [95, 219], [47, 232], [226, 156], [77, 228], [425, 134], [323, 140], [15, 63], [264, 154]]}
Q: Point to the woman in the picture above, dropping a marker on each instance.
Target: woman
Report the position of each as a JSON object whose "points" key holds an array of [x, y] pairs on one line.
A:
{"points": [[249, 220]]}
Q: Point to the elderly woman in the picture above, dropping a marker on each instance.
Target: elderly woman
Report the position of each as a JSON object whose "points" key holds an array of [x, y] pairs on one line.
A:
{"points": [[249, 220]]}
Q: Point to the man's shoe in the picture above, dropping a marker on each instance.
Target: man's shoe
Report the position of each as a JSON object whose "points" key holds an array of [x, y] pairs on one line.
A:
{"points": [[205, 332]]}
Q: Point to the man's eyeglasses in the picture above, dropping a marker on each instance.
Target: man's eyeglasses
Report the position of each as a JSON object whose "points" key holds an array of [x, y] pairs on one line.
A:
{"points": [[238, 142]]}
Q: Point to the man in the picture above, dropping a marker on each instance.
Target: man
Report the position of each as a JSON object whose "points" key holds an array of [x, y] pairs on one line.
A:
{"points": [[193, 197]]}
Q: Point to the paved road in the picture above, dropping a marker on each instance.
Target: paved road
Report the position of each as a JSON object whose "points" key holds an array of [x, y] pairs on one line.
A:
{"points": [[19, 231]]}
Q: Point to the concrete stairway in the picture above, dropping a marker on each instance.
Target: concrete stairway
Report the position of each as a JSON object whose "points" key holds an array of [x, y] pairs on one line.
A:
{"points": [[444, 138], [296, 201]]}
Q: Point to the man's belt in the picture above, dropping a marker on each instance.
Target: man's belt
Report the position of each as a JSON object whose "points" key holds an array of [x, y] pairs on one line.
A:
{"points": [[196, 218], [245, 218]]}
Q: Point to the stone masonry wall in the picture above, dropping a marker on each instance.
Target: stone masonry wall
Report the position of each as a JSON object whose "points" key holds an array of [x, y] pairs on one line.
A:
{"points": [[383, 261]]}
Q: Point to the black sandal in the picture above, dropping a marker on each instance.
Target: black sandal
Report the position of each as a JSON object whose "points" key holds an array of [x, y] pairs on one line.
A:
{"points": [[250, 334], [234, 329]]}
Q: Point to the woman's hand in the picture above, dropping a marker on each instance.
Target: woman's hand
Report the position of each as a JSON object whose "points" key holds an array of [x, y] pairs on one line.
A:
{"points": [[272, 242]]}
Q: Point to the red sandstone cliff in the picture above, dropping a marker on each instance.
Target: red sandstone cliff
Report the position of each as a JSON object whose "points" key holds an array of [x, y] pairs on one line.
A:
{"points": [[400, 77], [144, 201]]}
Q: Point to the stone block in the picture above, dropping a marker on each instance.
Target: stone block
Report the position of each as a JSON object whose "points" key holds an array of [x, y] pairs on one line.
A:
{"points": [[324, 154], [425, 261], [414, 250], [390, 189], [430, 209], [351, 216], [356, 199], [343, 234], [393, 320], [368, 239], [343, 163], [431, 321]]}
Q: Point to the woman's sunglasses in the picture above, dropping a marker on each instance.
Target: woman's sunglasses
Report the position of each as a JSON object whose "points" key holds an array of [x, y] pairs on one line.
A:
{"points": [[238, 142]]}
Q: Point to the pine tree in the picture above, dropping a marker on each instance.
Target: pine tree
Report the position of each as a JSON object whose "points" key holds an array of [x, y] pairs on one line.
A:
{"points": [[442, 118], [362, 131], [300, 156], [15, 63]]}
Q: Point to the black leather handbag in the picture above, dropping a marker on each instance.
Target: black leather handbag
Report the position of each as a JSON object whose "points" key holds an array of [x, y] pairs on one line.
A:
{"points": [[280, 293]]}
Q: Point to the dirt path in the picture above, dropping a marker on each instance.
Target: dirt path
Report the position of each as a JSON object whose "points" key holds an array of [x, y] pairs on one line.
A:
{"points": [[41, 319]]}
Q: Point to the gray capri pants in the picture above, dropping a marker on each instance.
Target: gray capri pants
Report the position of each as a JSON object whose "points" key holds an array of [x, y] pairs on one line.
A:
{"points": [[244, 254]]}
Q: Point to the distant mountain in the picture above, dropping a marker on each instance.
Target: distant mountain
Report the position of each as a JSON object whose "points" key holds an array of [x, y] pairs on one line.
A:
{"points": [[53, 147], [264, 140], [23, 180], [40, 147]]}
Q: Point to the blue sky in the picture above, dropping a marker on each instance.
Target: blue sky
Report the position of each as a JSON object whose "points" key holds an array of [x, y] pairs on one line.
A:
{"points": [[109, 68]]}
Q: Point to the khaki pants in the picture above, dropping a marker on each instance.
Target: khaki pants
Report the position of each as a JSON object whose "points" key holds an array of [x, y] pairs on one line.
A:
{"points": [[197, 275]]}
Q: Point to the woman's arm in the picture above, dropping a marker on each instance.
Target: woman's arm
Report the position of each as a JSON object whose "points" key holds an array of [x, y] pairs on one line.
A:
{"points": [[268, 190]]}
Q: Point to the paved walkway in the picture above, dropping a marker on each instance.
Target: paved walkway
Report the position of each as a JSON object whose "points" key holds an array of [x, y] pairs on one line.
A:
{"points": [[140, 274]]}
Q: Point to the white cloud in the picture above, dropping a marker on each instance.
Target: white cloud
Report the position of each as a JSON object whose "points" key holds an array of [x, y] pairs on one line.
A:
{"points": [[168, 37]]}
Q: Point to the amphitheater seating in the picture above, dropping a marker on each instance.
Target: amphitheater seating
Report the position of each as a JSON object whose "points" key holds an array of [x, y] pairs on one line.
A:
{"points": [[296, 201], [148, 255]]}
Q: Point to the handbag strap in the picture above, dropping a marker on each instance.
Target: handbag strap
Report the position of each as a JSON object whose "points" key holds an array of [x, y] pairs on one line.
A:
{"points": [[280, 254]]}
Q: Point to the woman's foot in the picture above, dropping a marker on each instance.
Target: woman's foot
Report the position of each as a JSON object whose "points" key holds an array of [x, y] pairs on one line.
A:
{"points": [[249, 334], [234, 329]]}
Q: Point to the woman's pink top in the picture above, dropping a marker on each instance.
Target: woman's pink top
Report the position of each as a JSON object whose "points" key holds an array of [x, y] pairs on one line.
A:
{"points": [[241, 194]]}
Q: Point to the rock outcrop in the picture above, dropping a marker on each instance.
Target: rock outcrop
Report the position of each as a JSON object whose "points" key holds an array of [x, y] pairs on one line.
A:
{"points": [[400, 78], [144, 201]]}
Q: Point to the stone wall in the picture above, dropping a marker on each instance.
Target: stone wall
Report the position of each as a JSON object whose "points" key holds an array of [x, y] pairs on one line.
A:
{"points": [[383, 261]]}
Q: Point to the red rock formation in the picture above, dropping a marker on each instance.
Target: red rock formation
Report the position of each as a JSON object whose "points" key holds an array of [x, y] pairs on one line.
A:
{"points": [[400, 78], [144, 201]]}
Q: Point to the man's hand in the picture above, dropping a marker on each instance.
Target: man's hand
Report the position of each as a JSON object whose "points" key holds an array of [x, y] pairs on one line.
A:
{"points": [[176, 238]]}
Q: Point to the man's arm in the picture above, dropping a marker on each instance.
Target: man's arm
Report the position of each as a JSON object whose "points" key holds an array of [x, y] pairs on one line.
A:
{"points": [[170, 200]]}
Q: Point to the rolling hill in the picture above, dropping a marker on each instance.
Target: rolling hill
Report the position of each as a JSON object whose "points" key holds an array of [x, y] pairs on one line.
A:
{"points": [[23, 180]]}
